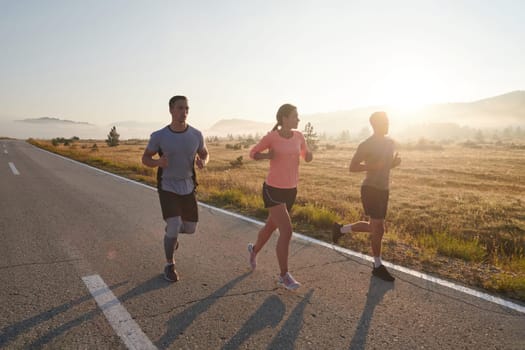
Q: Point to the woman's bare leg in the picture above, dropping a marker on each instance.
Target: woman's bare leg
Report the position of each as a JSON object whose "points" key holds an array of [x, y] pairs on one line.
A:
{"points": [[279, 215], [264, 234]]}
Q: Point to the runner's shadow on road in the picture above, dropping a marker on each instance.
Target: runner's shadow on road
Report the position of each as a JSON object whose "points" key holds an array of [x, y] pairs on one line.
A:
{"points": [[292, 327], [376, 291], [10, 332], [269, 314], [178, 324], [150, 285]]}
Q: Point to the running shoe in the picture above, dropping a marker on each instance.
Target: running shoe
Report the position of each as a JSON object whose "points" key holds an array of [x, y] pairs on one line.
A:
{"points": [[170, 274], [253, 258], [382, 273], [336, 232], [289, 282]]}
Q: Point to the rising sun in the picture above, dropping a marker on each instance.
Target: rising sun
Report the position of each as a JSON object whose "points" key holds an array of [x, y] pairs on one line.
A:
{"points": [[408, 87]]}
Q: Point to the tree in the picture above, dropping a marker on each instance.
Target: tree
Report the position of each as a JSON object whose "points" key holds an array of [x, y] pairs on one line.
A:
{"points": [[310, 136], [507, 132], [519, 133], [479, 136], [344, 135], [113, 136], [364, 133]]}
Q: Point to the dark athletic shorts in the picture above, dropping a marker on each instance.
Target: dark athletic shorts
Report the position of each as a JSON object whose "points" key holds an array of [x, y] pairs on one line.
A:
{"points": [[375, 202], [173, 204], [273, 196]]}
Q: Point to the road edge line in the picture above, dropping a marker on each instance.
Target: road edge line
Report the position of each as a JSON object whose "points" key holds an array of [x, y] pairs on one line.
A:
{"points": [[414, 273]]}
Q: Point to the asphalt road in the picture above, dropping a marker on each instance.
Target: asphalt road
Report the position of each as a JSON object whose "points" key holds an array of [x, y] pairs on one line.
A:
{"points": [[65, 225]]}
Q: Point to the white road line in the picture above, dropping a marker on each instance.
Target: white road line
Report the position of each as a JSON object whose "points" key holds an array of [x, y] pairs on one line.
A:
{"points": [[405, 270], [13, 169], [439, 281], [119, 318], [5, 151]]}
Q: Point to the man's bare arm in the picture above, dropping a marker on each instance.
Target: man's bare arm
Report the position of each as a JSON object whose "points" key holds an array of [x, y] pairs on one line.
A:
{"points": [[356, 164], [396, 161], [147, 160], [203, 157]]}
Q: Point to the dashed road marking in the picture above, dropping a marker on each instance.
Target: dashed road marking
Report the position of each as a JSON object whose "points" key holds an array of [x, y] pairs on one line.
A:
{"points": [[119, 318], [13, 169]]}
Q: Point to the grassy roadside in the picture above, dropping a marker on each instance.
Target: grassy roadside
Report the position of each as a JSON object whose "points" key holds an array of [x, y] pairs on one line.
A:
{"points": [[457, 212]]}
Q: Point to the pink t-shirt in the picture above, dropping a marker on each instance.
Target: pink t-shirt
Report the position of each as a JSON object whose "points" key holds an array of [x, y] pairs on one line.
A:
{"points": [[284, 166]]}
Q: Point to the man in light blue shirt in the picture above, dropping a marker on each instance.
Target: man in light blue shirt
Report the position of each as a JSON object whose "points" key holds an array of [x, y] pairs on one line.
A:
{"points": [[180, 147]]}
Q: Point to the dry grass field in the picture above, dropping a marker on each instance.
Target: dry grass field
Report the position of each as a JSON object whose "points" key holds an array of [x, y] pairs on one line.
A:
{"points": [[456, 211]]}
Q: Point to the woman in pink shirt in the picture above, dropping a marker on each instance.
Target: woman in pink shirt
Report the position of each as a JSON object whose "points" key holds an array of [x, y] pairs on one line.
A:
{"points": [[284, 146]]}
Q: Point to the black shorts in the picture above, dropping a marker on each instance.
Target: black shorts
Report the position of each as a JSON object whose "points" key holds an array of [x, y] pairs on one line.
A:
{"points": [[273, 196], [173, 204], [375, 202]]}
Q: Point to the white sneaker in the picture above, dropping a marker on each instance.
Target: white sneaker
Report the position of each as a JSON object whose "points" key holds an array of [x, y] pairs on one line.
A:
{"points": [[289, 282], [253, 258]]}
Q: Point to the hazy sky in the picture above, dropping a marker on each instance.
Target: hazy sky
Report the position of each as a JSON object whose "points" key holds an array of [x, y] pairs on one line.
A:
{"points": [[101, 61]]}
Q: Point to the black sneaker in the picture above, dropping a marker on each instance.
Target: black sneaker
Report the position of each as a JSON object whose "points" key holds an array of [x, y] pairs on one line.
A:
{"points": [[170, 274], [336, 232], [382, 273]]}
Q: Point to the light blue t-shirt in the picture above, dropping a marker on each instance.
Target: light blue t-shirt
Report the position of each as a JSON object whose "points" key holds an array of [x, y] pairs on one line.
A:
{"points": [[180, 148]]}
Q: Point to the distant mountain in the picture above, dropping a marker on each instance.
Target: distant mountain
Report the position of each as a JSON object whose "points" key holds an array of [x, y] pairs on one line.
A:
{"points": [[438, 121], [506, 103], [497, 111], [494, 112], [48, 127], [135, 124], [226, 127], [51, 120], [336, 122], [447, 120]]}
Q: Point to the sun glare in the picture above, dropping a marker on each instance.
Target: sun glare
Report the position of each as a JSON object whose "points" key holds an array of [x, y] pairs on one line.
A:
{"points": [[407, 88]]}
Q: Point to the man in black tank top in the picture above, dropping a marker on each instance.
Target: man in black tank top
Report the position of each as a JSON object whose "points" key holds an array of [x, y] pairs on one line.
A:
{"points": [[375, 156]]}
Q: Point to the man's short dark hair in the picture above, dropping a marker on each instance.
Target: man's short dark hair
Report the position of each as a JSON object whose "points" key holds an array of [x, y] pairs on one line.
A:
{"points": [[378, 117], [176, 98]]}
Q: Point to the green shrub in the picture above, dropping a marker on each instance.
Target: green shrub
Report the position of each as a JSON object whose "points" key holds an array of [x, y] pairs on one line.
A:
{"points": [[504, 282], [229, 197], [237, 163], [315, 216], [235, 147], [454, 247]]}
